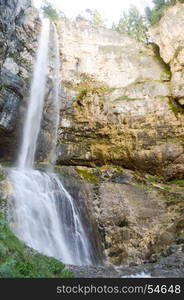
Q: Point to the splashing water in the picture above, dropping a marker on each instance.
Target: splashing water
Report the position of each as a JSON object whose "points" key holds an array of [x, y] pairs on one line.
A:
{"points": [[46, 217], [138, 275], [42, 212]]}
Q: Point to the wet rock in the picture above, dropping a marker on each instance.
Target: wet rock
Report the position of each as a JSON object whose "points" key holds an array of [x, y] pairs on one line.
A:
{"points": [[169, 267]]}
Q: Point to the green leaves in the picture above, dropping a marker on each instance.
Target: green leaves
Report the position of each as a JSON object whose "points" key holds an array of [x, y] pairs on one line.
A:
{"points": [[133, 24], [155, 14], [16, 260], [50, 11]]}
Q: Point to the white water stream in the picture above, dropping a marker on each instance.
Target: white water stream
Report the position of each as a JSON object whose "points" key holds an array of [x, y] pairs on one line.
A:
{"points": [[35, 108], [46, 218], [42, 212]]}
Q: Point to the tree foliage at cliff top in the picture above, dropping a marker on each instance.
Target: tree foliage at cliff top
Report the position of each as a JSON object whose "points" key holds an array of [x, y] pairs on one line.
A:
{"points": [[50, 12], [154, 15], [136, 25], [133, 24]]}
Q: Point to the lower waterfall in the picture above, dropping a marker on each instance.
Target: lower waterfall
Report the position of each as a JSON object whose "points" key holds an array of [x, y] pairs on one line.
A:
{"points": [[45, 216], [42, 213]]}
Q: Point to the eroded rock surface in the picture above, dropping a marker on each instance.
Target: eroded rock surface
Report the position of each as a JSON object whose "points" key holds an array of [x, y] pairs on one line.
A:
{"points": [[136, 221], [168, 35], [116, 104]]}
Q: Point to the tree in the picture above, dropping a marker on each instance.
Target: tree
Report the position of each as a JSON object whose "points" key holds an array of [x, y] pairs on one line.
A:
{"points": [[97, 18], [133, 24], [93, 16], [154, 15], [50, 12]]}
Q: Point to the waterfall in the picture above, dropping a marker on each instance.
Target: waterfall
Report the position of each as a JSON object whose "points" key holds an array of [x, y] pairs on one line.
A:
{"points": [[35, 107], [42, 213], [45, 217]]}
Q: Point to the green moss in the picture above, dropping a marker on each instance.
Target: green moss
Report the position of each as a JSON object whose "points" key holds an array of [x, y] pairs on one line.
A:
{"points": [[117, 169], [175, 109], [88, 174], [166, 75], [166, 185], [179, 182], [2, 177], [16, 262], [141, 186], [88, 85], [154, 179], [82, 94], [121, 98]]}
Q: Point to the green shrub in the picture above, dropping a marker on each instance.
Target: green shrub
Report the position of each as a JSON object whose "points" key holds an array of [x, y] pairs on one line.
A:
{"points": [[50, 12], [133, 24], [16, 260], [155, 14]]}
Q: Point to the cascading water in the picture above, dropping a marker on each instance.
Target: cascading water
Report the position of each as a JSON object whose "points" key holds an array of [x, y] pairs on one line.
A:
{"points": [[42, 212], [36, 101], [46, 218]]}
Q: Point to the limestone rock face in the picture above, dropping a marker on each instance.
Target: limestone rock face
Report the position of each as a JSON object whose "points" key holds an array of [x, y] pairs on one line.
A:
{"points": [[115, 105], [134, 222], [168, 35], [19, 28]]}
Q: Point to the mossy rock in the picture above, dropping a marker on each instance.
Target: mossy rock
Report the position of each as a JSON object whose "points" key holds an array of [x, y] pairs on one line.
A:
{"points": [[87, 85], [175, 108], [179, 182], [88, 174], [117, 169], [125, 98], [2, 174]]}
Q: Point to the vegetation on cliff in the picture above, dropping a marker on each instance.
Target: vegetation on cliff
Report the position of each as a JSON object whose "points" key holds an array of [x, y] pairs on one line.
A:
{"points": [[133, 24], [17, 260], [154, 14], [51, 12], [136, 25]]}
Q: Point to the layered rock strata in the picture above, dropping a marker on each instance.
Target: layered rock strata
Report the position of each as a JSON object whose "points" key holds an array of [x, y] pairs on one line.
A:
{"points": [[117, 103]]}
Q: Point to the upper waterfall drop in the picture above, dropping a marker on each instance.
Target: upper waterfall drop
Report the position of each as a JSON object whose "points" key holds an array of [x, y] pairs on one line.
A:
{"points": [[36, 101]]}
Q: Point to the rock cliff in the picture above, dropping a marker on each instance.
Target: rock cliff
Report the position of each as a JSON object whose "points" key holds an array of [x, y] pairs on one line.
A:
{"points": [[168, 35], [19, 27], [116, 103], [138, 219]]}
